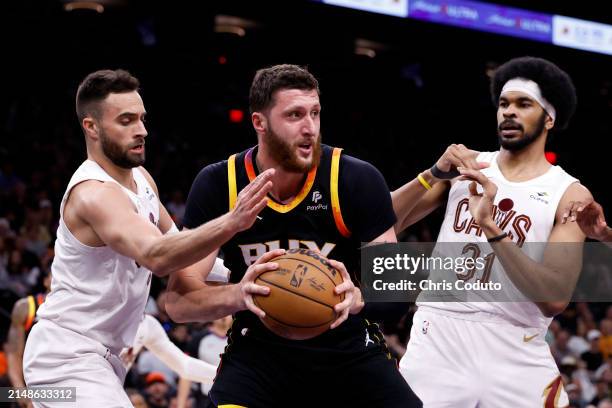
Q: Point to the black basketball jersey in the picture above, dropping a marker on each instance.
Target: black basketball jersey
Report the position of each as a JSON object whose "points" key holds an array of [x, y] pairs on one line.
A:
{"points": [[313, 219], [342, 203]]}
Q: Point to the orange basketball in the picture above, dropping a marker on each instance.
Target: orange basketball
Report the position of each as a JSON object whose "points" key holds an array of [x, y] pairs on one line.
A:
{"points": [[302, 299]]}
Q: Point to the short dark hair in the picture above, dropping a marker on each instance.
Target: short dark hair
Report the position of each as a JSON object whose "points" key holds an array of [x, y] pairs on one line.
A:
{"points": [[98, 85], [555, 84], [271, 79]]}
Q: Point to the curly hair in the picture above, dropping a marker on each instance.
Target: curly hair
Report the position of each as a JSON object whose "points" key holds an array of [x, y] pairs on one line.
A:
{"points": [[555, 84]]}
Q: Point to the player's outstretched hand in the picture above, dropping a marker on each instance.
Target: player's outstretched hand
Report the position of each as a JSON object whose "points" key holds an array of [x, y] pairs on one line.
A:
{"points": [[590, 218], [480, 204], [247, 285], [457, 155], [352, 302], [251, 200]]}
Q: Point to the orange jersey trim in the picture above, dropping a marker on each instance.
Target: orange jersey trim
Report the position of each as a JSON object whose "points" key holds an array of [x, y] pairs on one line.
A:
{"points": [[231, 181], [281, 208], [31, 313], [335, 199]]}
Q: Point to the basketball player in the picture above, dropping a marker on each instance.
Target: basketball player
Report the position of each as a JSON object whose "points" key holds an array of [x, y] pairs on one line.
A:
{"points": [[322, 200], [23, 318], [152, 336], [488, 353], [591, 220], [110, 240]]}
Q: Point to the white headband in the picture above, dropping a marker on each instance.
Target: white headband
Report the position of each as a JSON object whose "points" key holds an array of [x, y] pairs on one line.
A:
{"points": [[532, 89]]}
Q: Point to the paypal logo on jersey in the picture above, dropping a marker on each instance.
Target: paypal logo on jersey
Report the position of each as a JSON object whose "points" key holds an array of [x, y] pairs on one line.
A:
{"points": [[316, 196]]}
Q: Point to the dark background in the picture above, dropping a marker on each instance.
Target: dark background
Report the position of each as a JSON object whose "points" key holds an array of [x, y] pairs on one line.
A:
{"points": [[398, 110]]}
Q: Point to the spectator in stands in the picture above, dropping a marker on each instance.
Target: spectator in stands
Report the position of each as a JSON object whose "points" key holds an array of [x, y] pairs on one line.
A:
{"points": [[607, 403], [573, 392], [176, 207], [603, 382], [136, 398], [605, 342], [560, 350], [157, 390], [593, 357]]}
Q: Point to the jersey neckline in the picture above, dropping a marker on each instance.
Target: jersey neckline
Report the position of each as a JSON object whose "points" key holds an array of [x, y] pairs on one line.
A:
{"points": [[495, 167], [278, 207]]}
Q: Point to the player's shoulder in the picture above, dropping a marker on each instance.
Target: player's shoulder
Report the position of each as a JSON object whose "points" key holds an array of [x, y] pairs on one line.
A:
{"points": [[357, 175], [211, 174], [93, 197], [355, 166], [149, 178], [211, 181], [361, 181], [92, 191], [576, 192], [217, 169]]}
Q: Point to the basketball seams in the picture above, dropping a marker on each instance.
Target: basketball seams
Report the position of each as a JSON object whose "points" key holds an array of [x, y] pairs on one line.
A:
{"points": [[295, 293], [268, 315], [303, 325], [311, 264]]}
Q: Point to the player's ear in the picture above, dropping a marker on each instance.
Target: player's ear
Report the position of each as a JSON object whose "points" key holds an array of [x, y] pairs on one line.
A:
{"points": [[549, 123], [90, 126], [260, 122]]}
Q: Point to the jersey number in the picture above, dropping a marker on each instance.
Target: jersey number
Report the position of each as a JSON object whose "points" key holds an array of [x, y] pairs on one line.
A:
{"points": [[475, 253]]}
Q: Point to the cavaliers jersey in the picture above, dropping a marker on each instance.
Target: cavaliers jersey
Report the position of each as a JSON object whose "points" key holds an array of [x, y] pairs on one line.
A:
{"points": [[34, 303], [526, 211], [342, 203], [96, 291]]}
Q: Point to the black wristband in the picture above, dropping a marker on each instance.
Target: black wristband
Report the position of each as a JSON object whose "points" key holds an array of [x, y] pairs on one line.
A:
{"points": [[444, 175], [498, 238]]}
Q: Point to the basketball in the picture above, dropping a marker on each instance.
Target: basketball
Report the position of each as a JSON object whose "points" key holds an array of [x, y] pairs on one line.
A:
{"points": [[302, 299]]}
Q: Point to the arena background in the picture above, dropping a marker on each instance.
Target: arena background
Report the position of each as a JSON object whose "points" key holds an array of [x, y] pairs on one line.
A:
{"points": [[426, 87]]}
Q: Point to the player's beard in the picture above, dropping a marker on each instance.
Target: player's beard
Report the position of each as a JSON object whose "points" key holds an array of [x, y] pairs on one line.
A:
{"points": [[527, 139], [286, 154], [119, 156]]}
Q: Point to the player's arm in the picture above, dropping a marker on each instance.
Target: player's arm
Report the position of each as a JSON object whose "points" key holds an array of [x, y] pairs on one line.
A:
{"points": [[15, 343], [552, 281], [415, 200], [353, 301], [412, 202], [110, 213], [182, 392], [191, 299], [157, 342], [589, 216], [370, 218]]}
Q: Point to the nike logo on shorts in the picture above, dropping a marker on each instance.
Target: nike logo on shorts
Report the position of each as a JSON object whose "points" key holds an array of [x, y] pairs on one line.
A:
{"points": [[527, 339]]}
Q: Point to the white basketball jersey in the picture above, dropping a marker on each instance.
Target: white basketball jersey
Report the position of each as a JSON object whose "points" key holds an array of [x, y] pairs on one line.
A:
{"points": [[96, 291], [526, 211]]}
